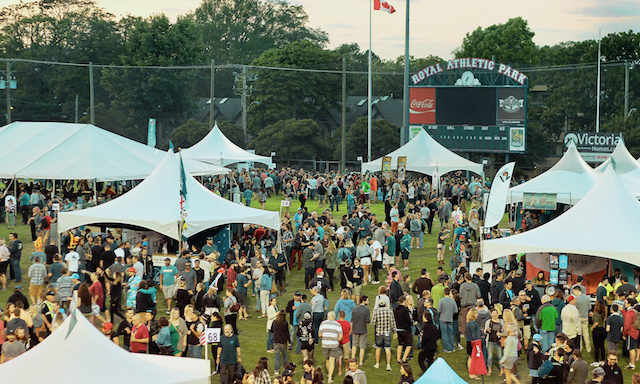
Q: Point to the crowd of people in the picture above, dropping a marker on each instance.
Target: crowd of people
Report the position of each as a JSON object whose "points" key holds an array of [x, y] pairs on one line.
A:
{"points": [[113, 284]]}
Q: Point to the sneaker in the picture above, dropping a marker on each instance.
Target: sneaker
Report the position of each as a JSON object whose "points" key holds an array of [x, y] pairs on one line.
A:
{"points": [[630, 367], [376, 366], [595, 364], [389, 367], [270, 350], [460, 346]]}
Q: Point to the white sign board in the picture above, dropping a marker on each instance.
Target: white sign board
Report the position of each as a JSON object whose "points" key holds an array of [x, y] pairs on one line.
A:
{"points": [[212, 335]]}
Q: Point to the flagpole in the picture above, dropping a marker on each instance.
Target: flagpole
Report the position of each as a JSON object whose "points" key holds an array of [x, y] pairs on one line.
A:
{"points": [[404, 136], [369, 89], [598, 93]]}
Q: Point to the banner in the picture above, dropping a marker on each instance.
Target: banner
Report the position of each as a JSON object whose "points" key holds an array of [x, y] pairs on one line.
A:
{"points": [[435, 181], [422, 105], [386, 167], [593, 146], [477, 365], [541, 201], [151, 133], [592, 268], [498, 195], [402, 167]]}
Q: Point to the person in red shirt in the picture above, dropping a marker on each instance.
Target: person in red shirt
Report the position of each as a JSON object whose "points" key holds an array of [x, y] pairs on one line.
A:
{"points": [[97, 294], [345, 343], [630, 333], [139, 335]]}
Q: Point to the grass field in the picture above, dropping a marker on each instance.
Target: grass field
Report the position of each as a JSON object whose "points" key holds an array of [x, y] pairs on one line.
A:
{"points": [[253, 331]]}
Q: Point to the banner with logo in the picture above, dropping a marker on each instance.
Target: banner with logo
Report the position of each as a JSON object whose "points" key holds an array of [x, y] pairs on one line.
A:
{"points": [[541, 201], [517, 139], [386, 167], [511, 106], [402, 167], [414, 130], [151, 133], [594, 146], [498, 195], [422, 105]]}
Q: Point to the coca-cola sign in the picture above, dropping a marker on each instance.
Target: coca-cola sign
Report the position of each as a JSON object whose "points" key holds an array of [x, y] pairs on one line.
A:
{"points": [[422, 105]]}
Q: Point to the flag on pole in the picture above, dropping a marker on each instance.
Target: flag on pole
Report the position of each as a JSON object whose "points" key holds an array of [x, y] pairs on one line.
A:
{"points": [[383, 5], [498, 195], [183, 198]]}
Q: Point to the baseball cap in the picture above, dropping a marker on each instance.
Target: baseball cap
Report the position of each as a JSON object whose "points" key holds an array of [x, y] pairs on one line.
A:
{"points": [[209, 237], [528, 282], [297, 293], [287, 372], [570, 298], [131, 269], [51, 293], [307, 315], [598, 372], [119, 252], [319, 270], [167, 259], [106, 327], [75, 276], [537, 337], [17, 288]]}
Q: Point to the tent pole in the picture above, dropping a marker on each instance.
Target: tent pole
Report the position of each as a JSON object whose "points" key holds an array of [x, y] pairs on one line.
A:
{"points": [[15, 188], [95, 191]]}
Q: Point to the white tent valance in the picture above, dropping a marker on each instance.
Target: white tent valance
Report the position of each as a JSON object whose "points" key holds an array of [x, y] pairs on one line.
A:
{"points": [[626, 167], [571, 178], [216, 148], [425, 155], [77, 345], [603, 223], [155, 204]]}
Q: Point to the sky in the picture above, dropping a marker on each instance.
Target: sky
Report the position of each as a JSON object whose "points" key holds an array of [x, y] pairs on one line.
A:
{"points": [[436, 27]]}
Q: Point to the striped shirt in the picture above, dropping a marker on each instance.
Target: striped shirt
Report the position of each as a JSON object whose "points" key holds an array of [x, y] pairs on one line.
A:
{"points": [[330, 331], [37, 272]]}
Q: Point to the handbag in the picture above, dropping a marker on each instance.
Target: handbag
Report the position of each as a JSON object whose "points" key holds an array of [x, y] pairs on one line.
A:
{"points": [[166, 350]]}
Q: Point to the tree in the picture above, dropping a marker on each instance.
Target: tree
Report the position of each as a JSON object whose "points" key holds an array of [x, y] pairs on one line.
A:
{"points": [[232, 132], [189, 133], [292, 139], [385, 138], [283, 95], [511, 42]]}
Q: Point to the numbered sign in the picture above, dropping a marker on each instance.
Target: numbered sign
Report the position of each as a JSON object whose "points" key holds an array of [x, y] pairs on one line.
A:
{"points": [[285, 203], [212, 335]]}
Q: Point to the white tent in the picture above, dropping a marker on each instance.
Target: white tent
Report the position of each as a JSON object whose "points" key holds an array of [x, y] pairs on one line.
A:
{"points": [[77, 352], [65, 151], [603, 223], [155, 204], [626, 167], [216, 149], [571, 178], [425, 155]]}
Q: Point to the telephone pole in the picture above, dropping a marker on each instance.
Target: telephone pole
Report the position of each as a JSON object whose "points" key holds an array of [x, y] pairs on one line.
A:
{"points": [[244, 90]]}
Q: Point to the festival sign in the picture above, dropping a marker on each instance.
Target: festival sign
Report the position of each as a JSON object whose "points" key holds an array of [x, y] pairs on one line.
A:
{"points": [[386, 167], [540, 201], [470, 63], [594, 146], [402, 167]]}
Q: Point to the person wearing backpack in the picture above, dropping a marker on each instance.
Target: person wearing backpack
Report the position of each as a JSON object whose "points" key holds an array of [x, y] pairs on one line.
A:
{"points": [[334, 200], [534, 358], [551, 371], [630, 332]]}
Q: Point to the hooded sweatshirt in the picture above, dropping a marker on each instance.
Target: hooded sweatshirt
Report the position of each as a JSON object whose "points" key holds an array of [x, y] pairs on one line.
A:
{"points": [[469, 293]]}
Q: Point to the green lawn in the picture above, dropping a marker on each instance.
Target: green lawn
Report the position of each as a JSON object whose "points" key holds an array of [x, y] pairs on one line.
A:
{"points": [[252, 332]]}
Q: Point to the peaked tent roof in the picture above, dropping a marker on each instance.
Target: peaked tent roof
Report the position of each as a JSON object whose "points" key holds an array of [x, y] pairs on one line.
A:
{"points": [[440, 373], [155, 204], [216, 148], [571, 178], [607, 212], [65, 151], [77, 346], [626, 167], [425, 155]]}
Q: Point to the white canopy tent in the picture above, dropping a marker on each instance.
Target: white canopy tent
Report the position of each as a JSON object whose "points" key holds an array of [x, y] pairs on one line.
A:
{"points": [[626, 167], [571, 178], [603, 223], [78, 346], [65, 151], [155, 204], [216, 148], [425, 155]]}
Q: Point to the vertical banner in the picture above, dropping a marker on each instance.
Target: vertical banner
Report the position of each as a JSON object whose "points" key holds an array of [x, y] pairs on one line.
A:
{"points": [[435, 181], [498, 195], [151, 133], [402, 167], [386, 167], [422, 105]]}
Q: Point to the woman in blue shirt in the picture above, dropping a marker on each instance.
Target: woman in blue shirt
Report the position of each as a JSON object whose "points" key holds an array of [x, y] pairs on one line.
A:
{"points": [[163, 338]]}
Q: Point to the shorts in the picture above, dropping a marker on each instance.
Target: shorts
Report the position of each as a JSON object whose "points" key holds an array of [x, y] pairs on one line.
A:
{"points": [[631, 343], [359, 341], [346, 349], [168, 291], [415, 233], [357, 289], [3, 267], [405, 254], [306, 345], [335, 352], [509, 362], [405, 339], [387, 260], [383, 341], [365, 261], [242, 298], [95, 309], [526, 332], [35, 291], [322, 198]]}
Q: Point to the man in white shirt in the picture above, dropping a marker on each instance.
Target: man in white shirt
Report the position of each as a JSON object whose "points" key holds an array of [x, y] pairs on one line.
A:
{"points": [[570, 317], [73, 261], [375, 249]]}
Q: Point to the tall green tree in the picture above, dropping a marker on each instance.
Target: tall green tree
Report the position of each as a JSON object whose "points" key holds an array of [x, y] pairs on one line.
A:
{"points": [[292, 139], [189, 133], [385, 138]]}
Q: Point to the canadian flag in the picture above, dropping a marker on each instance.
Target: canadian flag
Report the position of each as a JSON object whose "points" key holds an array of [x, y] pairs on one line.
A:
{"points": [[383, 5]]}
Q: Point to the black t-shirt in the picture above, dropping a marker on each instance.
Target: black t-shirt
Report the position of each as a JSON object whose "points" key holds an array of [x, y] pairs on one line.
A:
{"points": [[108, 258], [96, 255], [192, 339], [199, 275], [322, 190], [121, 331]]}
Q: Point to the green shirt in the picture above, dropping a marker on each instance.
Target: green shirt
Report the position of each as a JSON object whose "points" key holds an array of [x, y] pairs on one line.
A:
{"points": [[229, 355], [209, 249], [437, 293], [548, 316], [168, 275], [405, 242], [391, 246]]}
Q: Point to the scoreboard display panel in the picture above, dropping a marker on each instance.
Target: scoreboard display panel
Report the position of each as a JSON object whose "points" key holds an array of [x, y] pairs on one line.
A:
{"points": [[466, 106]]}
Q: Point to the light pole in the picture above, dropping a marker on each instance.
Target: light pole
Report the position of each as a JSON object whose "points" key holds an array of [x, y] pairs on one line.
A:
{"points": [[8, 81]]}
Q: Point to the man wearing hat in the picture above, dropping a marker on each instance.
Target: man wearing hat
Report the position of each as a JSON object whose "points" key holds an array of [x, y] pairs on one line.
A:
{"points": [[571, 321], [17, 295], [319, 282], [168, 275], [210, 249], [11, 348], [133, 284], [598, 376]]}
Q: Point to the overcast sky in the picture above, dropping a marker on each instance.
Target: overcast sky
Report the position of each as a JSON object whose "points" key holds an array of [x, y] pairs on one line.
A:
{"points": [[437, 27]]}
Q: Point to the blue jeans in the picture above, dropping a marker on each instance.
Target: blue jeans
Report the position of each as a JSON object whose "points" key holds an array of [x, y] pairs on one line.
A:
{"points": [[296, 340], [493, 347], [195, 351], [335, 200], [269, 340], [317, 319], [256, 290], [447, 336], [15, 267], [548, 338], [280, 349], [421, 239]]}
